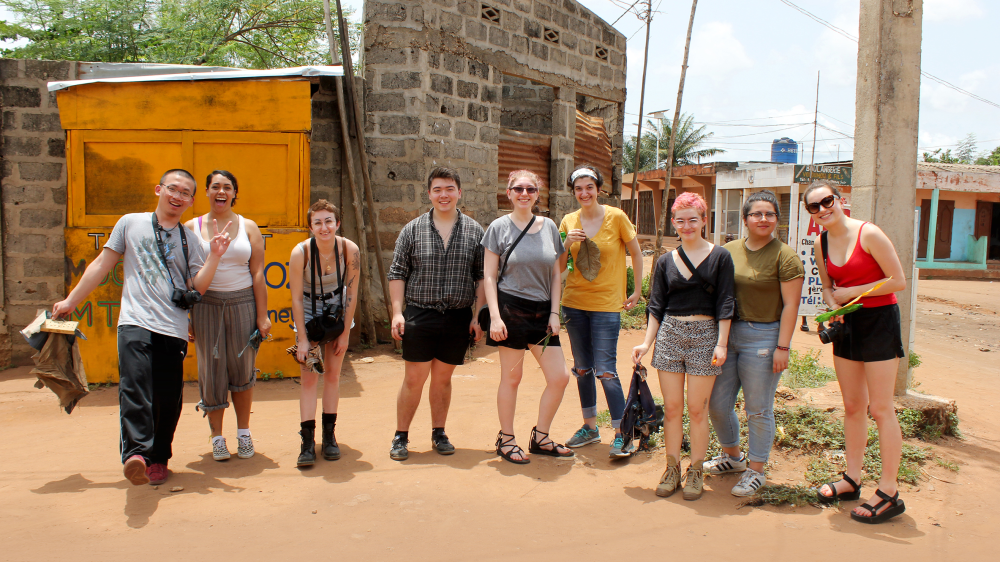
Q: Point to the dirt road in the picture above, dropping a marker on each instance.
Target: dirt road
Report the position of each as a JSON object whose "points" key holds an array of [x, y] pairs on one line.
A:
{"points": [[62, 493]]}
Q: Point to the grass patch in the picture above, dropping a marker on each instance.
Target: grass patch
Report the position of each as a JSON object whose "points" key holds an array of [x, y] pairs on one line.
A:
{"points": [[635, 319], [96, 385], [947, 464], [604, 418], [630, 283], [809, 429], [804, 370], [277, 375], [916, 424], [781, 494], [821, 470]]}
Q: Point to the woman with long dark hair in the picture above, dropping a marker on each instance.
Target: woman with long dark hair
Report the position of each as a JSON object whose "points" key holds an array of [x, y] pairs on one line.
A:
{"points": [[233, 307], [768, 276], [854, 257]]}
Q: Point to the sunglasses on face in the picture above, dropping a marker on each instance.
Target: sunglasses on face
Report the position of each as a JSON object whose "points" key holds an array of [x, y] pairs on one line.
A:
{"points": [[825, 202], [529, 190]]}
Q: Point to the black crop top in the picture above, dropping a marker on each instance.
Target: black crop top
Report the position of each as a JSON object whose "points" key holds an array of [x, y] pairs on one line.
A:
{"points": [[674, 295]]}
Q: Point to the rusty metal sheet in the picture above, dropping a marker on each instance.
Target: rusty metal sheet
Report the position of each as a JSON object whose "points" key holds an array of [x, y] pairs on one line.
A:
{"points": [[523, 151], [593, 145]]}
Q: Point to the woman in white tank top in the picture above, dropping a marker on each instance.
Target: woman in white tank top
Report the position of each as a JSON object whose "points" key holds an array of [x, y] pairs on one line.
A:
{"points": [[233, 307]]}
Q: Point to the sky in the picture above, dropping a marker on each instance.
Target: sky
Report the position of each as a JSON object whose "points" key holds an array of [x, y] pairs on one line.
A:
{"points": [[753, 63]]}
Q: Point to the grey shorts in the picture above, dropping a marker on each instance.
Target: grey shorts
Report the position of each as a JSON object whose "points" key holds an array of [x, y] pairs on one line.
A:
{"points": [[223, 322], [686, 347]]}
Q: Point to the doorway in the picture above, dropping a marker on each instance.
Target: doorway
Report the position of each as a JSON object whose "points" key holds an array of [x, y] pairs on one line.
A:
{"points": [[988, 224], [945, 218]]}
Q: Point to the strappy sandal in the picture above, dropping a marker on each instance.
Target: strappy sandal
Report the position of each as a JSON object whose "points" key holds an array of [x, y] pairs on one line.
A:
{"points": [[503, 443], [535, 445], [896, 506], [842, 496]]}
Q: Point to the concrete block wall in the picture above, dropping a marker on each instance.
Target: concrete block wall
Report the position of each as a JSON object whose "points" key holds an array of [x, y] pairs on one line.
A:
{"points": [[33, 152], [435, 72]]}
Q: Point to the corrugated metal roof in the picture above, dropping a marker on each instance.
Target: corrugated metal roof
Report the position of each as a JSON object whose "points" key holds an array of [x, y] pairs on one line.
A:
{"points": [[523, 151], [220, 75], [593, 145]]}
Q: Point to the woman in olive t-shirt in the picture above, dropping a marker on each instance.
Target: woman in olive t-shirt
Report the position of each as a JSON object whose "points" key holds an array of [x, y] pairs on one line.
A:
{"points": [[769, 277]]}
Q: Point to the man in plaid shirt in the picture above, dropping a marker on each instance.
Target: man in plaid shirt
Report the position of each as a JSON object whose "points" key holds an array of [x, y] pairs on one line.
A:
{"points": [[437, 269]]}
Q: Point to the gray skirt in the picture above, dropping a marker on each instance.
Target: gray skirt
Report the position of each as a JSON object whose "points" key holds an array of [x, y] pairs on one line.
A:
{"points": [[223, 322]]}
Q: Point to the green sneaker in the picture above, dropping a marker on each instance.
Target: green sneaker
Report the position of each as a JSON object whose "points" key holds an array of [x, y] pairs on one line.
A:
{"points": [[620, 449], [584, 436]]}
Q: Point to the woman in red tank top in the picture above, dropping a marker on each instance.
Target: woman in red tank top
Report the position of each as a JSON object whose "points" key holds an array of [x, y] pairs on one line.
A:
{"points": [[866, 345]]}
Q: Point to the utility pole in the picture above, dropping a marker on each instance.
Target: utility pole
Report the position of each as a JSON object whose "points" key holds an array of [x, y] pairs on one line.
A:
{"points": [[812, 157], [634, 202], [664, 215]]}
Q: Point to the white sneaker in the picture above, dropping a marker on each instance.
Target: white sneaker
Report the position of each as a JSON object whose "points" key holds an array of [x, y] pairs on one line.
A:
{"points": [[724, 463], [220, 451], [244, 448], [749, 483]]}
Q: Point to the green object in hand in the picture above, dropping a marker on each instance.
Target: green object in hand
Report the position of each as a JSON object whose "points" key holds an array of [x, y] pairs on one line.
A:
{"points": [[826, 316], [569, 258]]}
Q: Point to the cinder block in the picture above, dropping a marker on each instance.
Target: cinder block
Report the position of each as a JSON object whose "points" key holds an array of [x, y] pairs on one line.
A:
{"points": [[468, 89], [40, 171], [45, 267], [439, 127], [392, 101], [479, 69], [441, 84], [479, 113], [21, 146], [454, 63], [489, 135], [465, 131], [47, 69], [398, 125], [400, 80], [41, 218], [19, 96], [389, 148]]}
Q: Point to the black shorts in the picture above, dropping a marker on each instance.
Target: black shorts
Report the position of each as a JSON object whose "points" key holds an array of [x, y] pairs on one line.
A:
{"points": [[527, 322], [871, 334], [429, 334]]}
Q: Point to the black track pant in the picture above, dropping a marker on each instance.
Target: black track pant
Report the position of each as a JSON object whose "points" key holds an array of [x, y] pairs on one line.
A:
{"points": [[150, 391]]}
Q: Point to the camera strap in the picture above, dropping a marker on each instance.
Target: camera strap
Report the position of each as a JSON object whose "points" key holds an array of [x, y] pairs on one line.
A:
{"points": [[163, 254], [825, 246], [314, 262]]}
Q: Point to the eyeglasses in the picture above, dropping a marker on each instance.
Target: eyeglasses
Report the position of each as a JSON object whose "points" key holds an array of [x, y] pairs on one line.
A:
{"points": [[826, 202], [757, 215], [529, 190], [174, 192], [689, 222]]}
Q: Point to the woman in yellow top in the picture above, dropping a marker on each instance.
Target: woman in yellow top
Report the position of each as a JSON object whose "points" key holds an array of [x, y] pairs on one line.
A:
{"points": [[592, 307]]}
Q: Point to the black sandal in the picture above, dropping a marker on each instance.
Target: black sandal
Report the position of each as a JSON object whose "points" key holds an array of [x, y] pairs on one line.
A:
{"points": [[535, 445], [842, 496], [896, 507], [506, 443]]}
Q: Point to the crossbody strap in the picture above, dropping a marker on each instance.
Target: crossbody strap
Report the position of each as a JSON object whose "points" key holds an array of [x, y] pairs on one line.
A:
{"points": [[510, 251], [826, 250], [709, 288]]}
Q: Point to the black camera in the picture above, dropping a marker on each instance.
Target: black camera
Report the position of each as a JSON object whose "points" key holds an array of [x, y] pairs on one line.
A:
{"points": [[185, 299], [834, 333]]}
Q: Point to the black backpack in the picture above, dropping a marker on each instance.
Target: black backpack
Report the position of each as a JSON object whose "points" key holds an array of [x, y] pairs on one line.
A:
{"points": [[642, 417]]}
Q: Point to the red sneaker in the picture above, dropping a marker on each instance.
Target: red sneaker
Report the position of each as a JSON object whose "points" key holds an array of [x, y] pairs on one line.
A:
{"points": [[157, 473], [135, 470]]}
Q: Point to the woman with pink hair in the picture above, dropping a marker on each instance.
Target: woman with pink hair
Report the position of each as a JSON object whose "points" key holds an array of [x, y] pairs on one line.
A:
{"points": [[691, 306], [523, 279]]}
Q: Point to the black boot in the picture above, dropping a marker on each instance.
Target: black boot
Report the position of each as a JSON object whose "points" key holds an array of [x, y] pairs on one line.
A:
{"points": [[308, 455], [331, 451]]}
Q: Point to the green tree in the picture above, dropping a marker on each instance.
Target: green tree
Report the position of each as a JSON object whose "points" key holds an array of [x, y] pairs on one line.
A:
{"points": [[991, 159], [688, 145], [942, 157], [236, 33], [966, 152]]}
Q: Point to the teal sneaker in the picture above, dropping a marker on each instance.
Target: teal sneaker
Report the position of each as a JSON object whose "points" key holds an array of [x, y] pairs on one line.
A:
{"points": [[584, 436], [619, 449]]}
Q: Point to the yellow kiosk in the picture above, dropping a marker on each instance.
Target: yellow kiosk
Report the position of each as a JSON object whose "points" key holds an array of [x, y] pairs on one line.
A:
{"points": [[122, 133]]}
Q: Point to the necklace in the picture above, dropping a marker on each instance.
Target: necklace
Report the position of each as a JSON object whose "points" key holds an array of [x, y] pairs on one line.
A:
{"points": [[329, 257]]}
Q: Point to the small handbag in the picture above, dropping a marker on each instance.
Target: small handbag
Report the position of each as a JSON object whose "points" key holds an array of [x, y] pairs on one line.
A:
{"points": [[329, 325], [484, 312]]}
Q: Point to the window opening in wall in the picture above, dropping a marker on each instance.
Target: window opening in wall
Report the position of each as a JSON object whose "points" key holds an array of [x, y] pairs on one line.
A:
{"points": [[551, 35], [597, 123], [732, 208], [525, 135], [601, 52], [490, 13]]}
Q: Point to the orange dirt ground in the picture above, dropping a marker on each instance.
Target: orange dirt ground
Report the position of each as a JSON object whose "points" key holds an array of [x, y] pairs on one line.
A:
{"points": [[62, 494]]}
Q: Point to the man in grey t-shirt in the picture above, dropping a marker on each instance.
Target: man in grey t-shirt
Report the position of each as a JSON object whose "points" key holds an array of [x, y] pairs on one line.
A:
{"points": [[152, 327]]}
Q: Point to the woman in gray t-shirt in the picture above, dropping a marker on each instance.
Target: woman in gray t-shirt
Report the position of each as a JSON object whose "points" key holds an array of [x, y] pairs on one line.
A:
{"points": [[524, 315]]}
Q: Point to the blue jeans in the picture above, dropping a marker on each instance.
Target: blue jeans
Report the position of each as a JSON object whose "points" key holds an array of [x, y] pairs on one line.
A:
{"points": [[593, 337], [750, 365]]}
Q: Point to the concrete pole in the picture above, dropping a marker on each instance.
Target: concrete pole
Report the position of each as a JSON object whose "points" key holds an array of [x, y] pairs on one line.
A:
{"points": [[885, 133]]}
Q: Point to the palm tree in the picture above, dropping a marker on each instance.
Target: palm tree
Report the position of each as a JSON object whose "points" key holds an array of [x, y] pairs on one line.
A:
{"points": [[687, 145]]}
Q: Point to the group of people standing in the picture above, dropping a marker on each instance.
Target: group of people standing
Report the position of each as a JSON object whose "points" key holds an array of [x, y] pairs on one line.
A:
{"points": [[720, 322]]}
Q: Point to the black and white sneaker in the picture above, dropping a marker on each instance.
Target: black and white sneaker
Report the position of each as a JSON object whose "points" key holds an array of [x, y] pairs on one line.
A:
{"points": [[749, 483], [220, 451], [399, 452], [724, 463], [244, 450]]}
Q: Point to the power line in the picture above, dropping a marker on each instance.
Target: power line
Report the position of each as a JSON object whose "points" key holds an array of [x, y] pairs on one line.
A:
{"points": [[840, 31], [627, 10]]}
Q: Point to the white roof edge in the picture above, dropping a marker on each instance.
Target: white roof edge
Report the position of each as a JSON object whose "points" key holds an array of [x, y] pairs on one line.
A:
{"points": [[221, 75]]}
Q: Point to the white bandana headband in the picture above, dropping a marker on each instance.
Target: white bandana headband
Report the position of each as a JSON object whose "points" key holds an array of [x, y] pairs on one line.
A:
{"points": [[581, 173]]}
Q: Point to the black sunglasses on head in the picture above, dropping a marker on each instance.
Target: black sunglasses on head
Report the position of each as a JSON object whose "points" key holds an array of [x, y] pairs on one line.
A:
{"points": [[825, 202]]}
